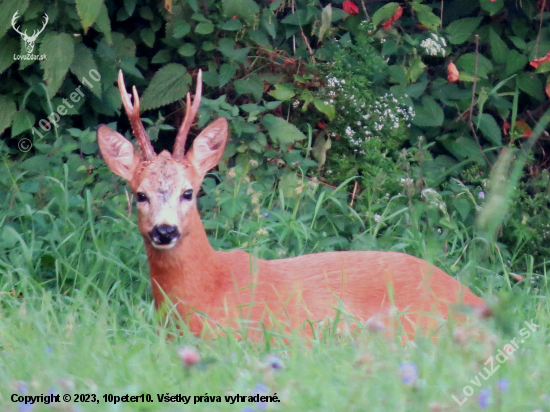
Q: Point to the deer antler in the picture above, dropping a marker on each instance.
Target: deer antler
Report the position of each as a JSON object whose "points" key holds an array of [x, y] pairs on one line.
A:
{"points": [[190, 113], [147, 151], [13, 20]]}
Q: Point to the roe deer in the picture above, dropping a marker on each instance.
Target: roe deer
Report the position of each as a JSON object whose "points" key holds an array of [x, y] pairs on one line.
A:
{"points": [[206, 284]]}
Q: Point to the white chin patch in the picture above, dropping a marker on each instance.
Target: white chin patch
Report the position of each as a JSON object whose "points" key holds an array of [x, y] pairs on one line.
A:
{"points": [[161, 246]]}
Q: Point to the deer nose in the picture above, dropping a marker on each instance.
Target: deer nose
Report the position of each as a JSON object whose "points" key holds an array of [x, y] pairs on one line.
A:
{"points": [[164, 234]]}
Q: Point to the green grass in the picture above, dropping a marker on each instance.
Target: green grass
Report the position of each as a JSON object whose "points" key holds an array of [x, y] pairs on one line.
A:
{"points": [[82, 322], [103, 344]]}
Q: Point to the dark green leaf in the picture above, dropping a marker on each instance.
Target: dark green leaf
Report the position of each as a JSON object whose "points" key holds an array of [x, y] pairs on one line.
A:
{"points": [[253, 84], [499, 50], [168, 84], [204, 28], [161, 57], [325, 108], [8, 47], [88, 11], [59, 47], [463, 206], [181, 28], [187, 50], [466, 148], [467, 63], [130, 6], [103, 24], [489, 127], [231, 25], [148, 37], [416, 69], [515, 62], [492, 6], [338, 14], [23, 120], [146, 13], [269, 21], [260, 37], [384, 13], [460, 30], [299, 18], [531, 84], [429, 113], [518, 42], [82, 66], [7, 112], [426, 16], [227, 72], [244, 9], [227, 47], [208, 46], [9, 7], [280, 131], [283, 92], [397, 74]]}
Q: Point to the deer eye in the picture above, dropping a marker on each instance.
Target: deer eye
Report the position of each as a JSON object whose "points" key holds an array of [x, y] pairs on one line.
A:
{"points": [[187, 195], [142, 197]]}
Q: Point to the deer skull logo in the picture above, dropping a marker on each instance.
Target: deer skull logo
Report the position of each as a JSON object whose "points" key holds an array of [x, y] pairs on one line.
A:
{"points": [[29, 40]]}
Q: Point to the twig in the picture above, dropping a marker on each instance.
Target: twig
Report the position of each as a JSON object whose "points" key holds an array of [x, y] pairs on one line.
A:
{"points": [[540, 26], [441, 13], [308, 46], [365, 10], [354, 192], [325, 184], [472, 104], [293, 5]]}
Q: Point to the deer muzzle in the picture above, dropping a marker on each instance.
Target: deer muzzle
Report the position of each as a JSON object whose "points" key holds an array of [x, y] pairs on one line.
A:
{"points": [[164, 236]]}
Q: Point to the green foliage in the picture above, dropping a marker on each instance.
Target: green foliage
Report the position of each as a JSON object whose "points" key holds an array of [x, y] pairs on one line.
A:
{"points": [[169, 84]]}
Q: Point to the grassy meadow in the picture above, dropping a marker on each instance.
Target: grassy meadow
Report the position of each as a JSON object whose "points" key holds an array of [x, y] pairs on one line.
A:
{"points": [[77, 317]]}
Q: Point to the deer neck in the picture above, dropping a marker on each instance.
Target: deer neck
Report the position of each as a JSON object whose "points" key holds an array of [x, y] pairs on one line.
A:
{"points": [[190, 273]]}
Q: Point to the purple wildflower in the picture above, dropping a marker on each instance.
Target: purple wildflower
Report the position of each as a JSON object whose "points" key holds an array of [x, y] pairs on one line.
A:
{"points": [[22, 387], [275, 362], [481, 195], [484, 397], [25, 407], [51, 391], [408, 372], [260, 389], [502, 385], [266, 214]]}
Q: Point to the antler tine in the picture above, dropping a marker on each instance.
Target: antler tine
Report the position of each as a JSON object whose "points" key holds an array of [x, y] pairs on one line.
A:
{"points": [[190, 113], [132, 110]]}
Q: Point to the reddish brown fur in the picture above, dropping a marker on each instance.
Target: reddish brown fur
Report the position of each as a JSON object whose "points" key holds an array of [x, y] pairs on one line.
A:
{"points": [[229, 285], [201, 279]]}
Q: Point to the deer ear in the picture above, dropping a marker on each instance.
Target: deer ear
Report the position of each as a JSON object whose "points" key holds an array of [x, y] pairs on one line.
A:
{"points": [[118, 152], [208, 146]]}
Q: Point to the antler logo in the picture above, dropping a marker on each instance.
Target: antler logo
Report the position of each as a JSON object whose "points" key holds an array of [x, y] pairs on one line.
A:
{"points": [[29, 40]]}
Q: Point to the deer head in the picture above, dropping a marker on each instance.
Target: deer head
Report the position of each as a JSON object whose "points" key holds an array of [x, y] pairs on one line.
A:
{"points": [[165, 185], [29, 40]]}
